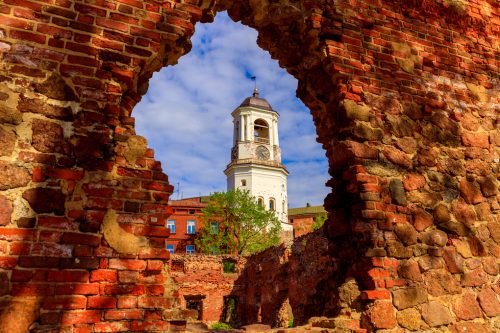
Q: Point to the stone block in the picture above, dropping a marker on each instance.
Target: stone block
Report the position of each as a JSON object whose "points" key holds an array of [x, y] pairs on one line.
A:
{"points": [[467, 307], [382, 315], [7, 141], [409, 297], [489, 302], [436, 314], [12, 176]]}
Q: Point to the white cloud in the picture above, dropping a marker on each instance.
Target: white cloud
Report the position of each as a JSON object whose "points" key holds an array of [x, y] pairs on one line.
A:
{"points": [[186, 113]]}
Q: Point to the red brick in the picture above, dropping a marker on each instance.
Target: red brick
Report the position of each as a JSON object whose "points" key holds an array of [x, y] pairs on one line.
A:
{"points": [[154, 302], [376, 294], [77, 289], [124, 289], [124, 315], [108, 23], [80, 317], [68, 276], [84, 9], [129, 264], [8, 262], [55, 222], [32, 289], [112, 327], [102, 275], [108, 44], [73, 70], [124, 18], [67, 174], [13, 234], [64, 303], [21, 275], [149, 326], [24, 3], [133, 3], [16, 23], [101, 302], [380, 273], [28, 36], [55, 32], [127, 302]]}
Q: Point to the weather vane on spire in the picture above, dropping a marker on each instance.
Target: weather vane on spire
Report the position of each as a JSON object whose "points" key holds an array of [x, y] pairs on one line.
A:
{"points": [[255, 90]]}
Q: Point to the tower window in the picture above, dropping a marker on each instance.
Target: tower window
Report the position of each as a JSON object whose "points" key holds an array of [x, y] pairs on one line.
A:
{"points": [[260, 202], [243, 182], [272, 204], [261, 131]]}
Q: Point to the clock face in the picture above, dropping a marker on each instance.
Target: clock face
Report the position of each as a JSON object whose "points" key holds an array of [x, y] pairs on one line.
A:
{"points": [[262, 153]]}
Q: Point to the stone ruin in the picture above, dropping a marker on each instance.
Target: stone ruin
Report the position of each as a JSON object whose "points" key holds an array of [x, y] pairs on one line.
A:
{"points": [[405, 97]]}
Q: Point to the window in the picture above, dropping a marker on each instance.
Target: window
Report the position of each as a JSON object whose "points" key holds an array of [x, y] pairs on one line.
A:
{"points": [[261, 131], [171, 248], [243, 182], [272, 205], [228, 266], [190, 249], [191, 227], [171, 226], [260, 202], [191, 211], [214, 228]]}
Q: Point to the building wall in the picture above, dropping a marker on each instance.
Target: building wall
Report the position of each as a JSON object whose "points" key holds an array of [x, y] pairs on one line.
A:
{"points": [[302, 224], [185, 210]]}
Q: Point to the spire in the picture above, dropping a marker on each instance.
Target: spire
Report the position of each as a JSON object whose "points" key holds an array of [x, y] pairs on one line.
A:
{"points": [[255, 90]]}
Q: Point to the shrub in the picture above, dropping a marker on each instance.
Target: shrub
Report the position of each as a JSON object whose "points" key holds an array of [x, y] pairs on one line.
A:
{"points": [[221, 326]]}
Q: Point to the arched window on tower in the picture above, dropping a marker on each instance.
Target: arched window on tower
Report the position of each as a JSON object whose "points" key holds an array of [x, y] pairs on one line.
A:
{"points": [[243, 182], [260, 202], [261, 131], [272, 204]]}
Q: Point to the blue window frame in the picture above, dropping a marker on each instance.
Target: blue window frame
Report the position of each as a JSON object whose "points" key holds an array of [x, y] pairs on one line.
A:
{"points": [[191, 227], [190, 249], [171, 226], [171, 248]]}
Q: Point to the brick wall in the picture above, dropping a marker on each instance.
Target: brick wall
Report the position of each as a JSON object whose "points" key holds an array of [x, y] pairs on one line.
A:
{"points": [[404, 95], [203, 276]]}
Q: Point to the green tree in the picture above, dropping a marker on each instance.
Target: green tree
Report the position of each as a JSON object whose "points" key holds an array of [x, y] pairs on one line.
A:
{"points": [[319, 220], [235, 223]]}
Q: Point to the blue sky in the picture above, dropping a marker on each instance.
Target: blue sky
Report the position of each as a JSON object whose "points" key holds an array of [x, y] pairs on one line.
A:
{"points": [[186, 114]]}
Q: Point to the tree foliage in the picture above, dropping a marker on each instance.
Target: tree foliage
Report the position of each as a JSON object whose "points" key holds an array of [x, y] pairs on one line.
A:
{"points": [[319, 220], [243, 227]]}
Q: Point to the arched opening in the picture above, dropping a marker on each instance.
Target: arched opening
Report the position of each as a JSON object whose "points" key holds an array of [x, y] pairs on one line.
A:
{"points": [[261, 131], [272, 204]]}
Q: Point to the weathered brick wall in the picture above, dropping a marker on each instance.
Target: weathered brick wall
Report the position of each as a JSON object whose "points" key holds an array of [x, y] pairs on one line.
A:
{"points": [[405, 98], [198, 275]]}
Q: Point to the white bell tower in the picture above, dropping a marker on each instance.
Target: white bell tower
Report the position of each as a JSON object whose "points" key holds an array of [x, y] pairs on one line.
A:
{"points": [[256, 157]]}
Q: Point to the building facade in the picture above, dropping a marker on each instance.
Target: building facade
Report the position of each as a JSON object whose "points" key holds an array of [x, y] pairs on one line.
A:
{"points": [[185, 221], [256, 157], [303, 219]]}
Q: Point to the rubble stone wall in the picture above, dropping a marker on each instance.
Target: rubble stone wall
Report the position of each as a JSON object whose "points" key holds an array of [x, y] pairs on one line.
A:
{"points": [[405, 99]]}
